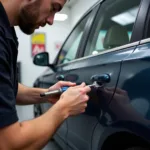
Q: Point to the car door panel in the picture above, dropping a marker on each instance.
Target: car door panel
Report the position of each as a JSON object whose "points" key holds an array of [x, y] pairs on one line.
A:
{"points": [[106, 38], [106, 118], [80, 128], [103, 38], [129, 109], [134, 81]]}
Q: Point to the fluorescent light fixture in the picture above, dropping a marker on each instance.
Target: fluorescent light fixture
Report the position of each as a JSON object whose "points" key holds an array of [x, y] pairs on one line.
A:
{"points": [[126, 17], [60, 17]]}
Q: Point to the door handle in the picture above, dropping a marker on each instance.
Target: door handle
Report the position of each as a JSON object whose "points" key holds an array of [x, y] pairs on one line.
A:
{"points": [[60, 77], [101, 79]]}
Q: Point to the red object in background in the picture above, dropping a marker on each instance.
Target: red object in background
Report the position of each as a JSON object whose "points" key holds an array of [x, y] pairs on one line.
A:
{"points": [[38, 43], [38, 48]]}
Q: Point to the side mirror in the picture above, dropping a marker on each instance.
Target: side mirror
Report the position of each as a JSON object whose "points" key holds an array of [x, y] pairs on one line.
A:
{"points": [[41, 59]]}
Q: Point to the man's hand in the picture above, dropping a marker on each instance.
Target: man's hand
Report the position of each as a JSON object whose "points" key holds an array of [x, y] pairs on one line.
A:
{"points": [[74, 100], [54, 99]]}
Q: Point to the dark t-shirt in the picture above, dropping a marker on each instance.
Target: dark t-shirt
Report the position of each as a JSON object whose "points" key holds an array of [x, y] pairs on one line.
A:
{"points": [[8, 71]]}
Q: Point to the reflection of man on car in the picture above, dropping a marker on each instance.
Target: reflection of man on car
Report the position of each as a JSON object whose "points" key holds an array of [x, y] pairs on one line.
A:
{"points": [[138, 91], [131, 103], [122, 107]]}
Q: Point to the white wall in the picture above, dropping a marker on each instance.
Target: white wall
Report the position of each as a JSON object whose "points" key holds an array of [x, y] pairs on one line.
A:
{"points": [[55, 33], [79, 9]]}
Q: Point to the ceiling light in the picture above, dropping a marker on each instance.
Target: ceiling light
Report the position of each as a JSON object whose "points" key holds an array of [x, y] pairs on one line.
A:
{"points": [[127, 17], [60, 17]]}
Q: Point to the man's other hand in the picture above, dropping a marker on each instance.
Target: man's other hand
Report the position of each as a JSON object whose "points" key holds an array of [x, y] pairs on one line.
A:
{"points": [[53, 99]]}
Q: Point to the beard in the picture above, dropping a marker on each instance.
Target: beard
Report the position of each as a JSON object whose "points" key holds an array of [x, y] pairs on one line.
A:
{"points": [[28, 17]]}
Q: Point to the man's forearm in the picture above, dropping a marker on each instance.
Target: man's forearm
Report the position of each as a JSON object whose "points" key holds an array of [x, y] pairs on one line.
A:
{"points": [[27, 96], [34, 134]]}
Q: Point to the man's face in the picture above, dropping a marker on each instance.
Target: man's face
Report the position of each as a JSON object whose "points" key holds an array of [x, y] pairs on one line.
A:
{"points": [[38, 13]]}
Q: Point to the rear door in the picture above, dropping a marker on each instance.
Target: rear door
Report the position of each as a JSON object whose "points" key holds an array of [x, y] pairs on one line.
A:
{"points": [[131, 102], [108, 44]]}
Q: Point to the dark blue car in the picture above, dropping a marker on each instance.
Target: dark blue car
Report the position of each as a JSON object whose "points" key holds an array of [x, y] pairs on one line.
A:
{"points": [[110, 45]]}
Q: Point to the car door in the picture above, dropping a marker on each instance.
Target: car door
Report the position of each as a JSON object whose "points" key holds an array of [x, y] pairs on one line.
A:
{"points": [[132, 99], [108, 44], [68, 52], [115, 42]]}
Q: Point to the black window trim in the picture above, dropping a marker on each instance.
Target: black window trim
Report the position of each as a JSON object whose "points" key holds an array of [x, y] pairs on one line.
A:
{"points": [[147, 23], [140, 23], [86, 34]]}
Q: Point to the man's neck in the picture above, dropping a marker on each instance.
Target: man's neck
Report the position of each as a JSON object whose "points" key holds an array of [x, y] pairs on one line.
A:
{"points": [[11, 11]]}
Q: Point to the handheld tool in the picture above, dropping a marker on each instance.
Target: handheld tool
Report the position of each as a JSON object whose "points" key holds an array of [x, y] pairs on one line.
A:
{"points": [[63, 89]]}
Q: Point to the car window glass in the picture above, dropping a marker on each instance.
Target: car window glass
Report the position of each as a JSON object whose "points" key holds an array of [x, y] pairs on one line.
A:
{"points": [[114, 26], [69, 50]]}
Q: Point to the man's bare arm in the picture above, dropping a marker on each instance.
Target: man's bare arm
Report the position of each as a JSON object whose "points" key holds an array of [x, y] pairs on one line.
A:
{"points": [[27, 96], [32, 134]]}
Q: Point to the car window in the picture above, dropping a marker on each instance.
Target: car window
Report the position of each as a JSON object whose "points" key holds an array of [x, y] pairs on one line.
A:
{"points": [[114, 25], [69, 50]]}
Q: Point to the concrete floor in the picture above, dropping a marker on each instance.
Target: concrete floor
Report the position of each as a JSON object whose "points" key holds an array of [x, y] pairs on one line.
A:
{"points": [[52, 146]]}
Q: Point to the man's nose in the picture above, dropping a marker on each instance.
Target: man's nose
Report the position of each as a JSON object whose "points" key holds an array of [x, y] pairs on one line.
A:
{"points": [[50, 19]]}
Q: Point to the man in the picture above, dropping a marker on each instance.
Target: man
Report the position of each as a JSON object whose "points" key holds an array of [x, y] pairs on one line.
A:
{"points": [[33, 134]]}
